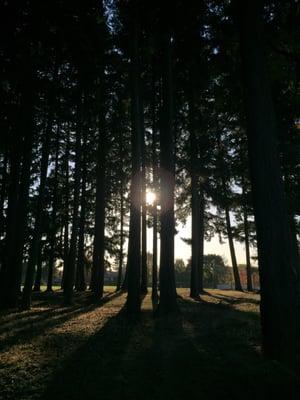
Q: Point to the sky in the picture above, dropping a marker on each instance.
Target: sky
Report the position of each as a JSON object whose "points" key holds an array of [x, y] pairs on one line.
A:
{"points": [[183, 250]]}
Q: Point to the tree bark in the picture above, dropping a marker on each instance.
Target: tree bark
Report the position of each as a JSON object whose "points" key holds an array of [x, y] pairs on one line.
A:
{"points": [[38, 276], [155, 190], [53, 224], [80, 285], [121, 174], [144, 276], [97, 277], [7, 298], [66, 206], [3, 192], [222, 167], [121, 252], [276, 254], [71, 261], [21, 158], [134, 246], [196, 206], [236, 275], [37, 232], [247, 242], [168, 295]]}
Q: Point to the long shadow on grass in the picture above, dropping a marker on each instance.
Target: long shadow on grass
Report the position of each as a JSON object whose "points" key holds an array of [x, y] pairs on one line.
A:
{"points": [[210, 351], [36, 323], [227, 340], [96, 368], [207, 351], [234, 299]]}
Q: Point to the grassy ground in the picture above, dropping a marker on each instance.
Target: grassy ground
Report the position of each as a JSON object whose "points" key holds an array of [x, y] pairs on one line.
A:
{"points": [[90, 351]]}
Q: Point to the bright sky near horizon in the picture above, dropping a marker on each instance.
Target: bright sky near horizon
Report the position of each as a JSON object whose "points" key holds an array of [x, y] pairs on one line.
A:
{"points": [[183, 250]]}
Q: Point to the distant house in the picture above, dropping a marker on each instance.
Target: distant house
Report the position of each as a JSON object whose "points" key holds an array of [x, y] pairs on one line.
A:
{"points": [[255, 277]]}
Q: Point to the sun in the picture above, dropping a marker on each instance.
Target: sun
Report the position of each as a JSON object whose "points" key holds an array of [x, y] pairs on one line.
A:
{"points": [[150, 198]]}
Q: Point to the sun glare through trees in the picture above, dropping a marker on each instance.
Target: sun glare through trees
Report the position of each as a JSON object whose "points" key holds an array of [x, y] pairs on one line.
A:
{"points": [[128, 131]]}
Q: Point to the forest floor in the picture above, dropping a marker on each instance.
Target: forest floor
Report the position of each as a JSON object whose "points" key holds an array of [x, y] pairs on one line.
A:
{"points": [[91, 351]]}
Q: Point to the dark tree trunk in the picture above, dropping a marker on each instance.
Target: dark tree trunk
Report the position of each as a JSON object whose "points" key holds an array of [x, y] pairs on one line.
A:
{"points": [[277, 257], [201, 235], [134, 246], [7, 298], [53, 223], [21, 158], [37, 232], [224, 189], [197, 228], [38, 276], [4, 180], [121, 174], [168, 295], [66, 207], [247, 242], [144, 275], [97, 277], [69, 277], [125, 280], [236, 275], [247, 248], [155, 190], [121, 253], [80, 275]]}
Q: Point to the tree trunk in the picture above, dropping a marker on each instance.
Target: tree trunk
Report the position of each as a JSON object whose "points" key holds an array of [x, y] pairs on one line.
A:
{"points": [[66, 206], [196, 284], [38, 276], [80, 276], [121, 253], [144, 276], [168, 295], [21, 158], [236, 275], [276, 254], [155, 190], [247, 248], [222, 167], [37, 232], [7, 298], [247, 242], [3, 192], [134, 246], [121, 174], [201, 237], [97, 277], [71, 261], [53, 224]]}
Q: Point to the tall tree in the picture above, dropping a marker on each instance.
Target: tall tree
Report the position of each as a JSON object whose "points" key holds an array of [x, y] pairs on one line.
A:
{"points": [[71, 261], [80, 284], [280, 302], [168, 301], [155, 181], [134, 245], [36, 238], [21, 159], [53, 218], [196, 205], [97, 277]]}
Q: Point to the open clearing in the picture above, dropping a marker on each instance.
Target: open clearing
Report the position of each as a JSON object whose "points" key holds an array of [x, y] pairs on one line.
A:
{"points": [[90, 351]]}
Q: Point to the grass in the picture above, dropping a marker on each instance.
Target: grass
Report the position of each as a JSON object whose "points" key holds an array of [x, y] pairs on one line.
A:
{"points": [[91, 351]]}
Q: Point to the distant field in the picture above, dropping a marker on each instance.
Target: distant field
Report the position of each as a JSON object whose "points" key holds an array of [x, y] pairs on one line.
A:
{"points": [[57, 287], [91, 351]]}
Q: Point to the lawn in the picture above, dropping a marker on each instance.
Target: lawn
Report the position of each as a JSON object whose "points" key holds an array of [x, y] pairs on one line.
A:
{"points": [[90, 351]]}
